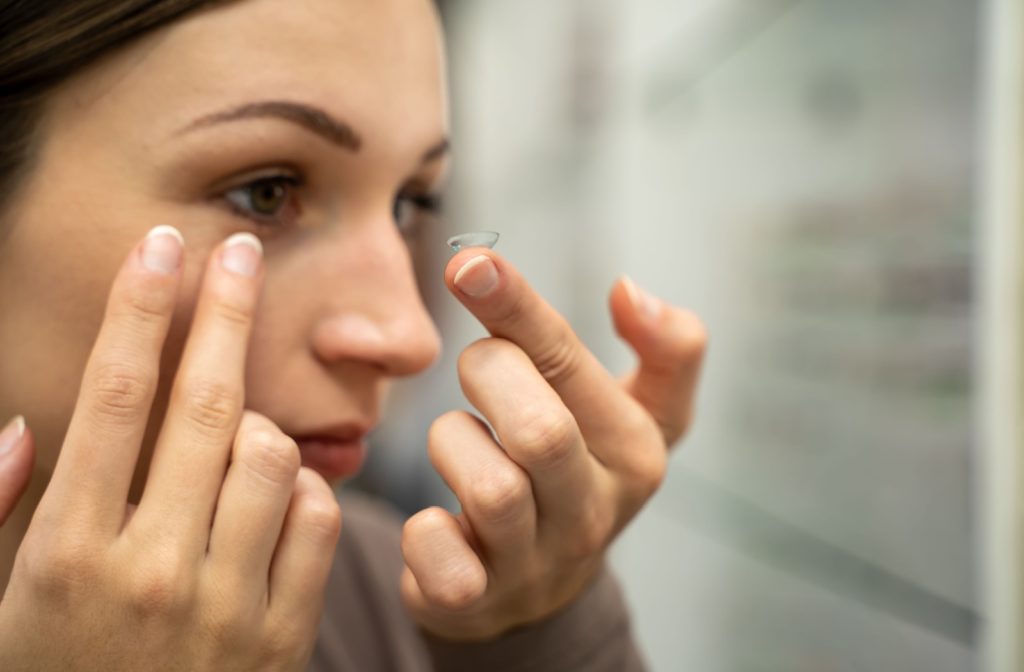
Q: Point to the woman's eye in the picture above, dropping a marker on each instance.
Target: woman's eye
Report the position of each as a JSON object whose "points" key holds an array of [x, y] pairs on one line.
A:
{"points": [[264, 199], [409, 209]]}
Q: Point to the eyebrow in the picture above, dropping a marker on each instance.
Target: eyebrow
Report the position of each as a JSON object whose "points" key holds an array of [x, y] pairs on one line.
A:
{"points": [[333, 130], [313, 119], [437, 151]]}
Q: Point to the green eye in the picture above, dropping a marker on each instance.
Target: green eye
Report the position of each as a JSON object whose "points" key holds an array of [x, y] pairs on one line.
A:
{"points": [[267, 196], [263, 198], [271, 199]]}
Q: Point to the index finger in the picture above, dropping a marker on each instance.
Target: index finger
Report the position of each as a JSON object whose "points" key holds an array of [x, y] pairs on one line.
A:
{"points": [[498, 295], [96, 464]]}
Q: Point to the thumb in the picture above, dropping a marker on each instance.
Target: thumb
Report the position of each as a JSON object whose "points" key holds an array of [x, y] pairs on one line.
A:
{"points": [[670, 344], [16, 456]]}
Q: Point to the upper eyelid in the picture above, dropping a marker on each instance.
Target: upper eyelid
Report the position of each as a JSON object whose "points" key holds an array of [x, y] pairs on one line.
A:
{"points": [[246, 178], [416, 187]]}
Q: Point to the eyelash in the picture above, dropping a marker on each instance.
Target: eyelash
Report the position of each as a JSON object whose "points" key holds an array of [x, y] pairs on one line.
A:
{"points": [[429, 204]]}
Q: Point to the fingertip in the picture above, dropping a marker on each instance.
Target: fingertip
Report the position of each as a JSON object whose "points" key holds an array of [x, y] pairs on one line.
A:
{"points": [[441, 561], [16, 461], [167, 230], [12, 435], [311, 481], [242, 254], [476, 275], [654, 327], [646, 306], [460, 259], [622, 303], [151, 273], [321, 510], [162, 250]]}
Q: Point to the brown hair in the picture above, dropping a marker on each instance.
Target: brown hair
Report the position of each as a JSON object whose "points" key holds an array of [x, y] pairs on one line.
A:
{"points": [[43, 43]]}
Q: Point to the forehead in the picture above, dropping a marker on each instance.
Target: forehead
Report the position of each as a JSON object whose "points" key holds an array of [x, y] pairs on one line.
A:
{"points": [[378, 64]]}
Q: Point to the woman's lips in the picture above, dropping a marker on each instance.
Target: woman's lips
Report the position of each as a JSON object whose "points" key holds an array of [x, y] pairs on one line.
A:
{"points": [[332, 458]]}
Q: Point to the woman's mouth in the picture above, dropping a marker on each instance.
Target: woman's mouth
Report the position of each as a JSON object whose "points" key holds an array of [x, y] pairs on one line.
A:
{"points": [[335, 455]]}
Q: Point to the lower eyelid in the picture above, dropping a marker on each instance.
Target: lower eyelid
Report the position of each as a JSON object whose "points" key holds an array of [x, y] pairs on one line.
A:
{"points": [[285, 218]]}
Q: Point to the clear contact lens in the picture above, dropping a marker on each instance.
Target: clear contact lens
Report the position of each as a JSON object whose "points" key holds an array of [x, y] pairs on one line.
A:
{"points": [[475, 239]]}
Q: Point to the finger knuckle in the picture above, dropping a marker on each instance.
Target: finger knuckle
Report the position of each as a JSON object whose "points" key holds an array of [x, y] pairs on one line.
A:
{"points": [[648, 469], [120, 390], [481, 354], [424, 523], [225, 629], [60, 569], [472, 357], [592, 533], [209, 404], [271, 456], [422, 527], [544, 438], [443, 430], [159, 589], [251, 419], [441, 427], [498, 494], [286, 643], [458, 589], [319, 518]]}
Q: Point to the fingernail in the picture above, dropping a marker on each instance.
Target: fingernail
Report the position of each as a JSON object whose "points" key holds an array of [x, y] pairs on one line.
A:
{"points": [[11, 435], [242, 254], [648, 307], [162, 250], [478, 277]]}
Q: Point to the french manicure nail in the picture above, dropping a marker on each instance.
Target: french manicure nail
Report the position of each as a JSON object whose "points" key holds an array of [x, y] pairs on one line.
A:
{"points": [[163, 249], [646, 305], [11, 435], [242, 254], [478, 277]]}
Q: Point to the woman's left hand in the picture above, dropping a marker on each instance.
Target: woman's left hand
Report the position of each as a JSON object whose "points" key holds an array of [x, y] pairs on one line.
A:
{"points": [[577, 453]]}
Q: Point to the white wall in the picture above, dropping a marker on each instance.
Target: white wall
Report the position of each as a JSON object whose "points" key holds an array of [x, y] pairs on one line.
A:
{"points": [[1001, 277]]}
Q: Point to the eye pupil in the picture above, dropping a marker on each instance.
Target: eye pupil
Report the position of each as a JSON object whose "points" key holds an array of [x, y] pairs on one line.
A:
{"points": [[267, 197]]}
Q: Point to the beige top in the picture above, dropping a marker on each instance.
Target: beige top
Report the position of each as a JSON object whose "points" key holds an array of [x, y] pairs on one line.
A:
{"points": [[365, 627]]}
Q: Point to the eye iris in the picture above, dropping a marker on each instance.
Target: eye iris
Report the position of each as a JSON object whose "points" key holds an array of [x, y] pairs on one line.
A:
{"points": [[267, 197]]}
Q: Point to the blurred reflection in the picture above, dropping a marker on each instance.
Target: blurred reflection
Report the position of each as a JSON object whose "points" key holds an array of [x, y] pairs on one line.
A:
{"points": [[800, 173]]}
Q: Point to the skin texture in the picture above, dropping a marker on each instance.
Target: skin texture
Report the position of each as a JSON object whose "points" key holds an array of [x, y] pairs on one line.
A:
{"points": [[236, 365], [132, 169]]}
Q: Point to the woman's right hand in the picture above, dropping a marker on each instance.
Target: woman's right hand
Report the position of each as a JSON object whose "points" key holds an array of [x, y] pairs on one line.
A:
{"points": [[222, 565]]}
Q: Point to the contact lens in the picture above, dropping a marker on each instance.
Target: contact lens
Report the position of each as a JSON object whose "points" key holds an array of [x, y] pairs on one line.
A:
{"points": [[475, 239]]}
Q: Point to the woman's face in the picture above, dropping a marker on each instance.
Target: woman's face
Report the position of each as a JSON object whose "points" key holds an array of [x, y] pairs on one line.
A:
{"points": [[311, 123]]}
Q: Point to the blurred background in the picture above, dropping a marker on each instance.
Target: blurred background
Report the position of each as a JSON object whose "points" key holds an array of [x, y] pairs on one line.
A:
{"points": [[806, 175]]}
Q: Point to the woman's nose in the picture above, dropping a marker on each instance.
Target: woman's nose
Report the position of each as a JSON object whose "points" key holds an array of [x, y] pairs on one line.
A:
{"points": [[382, 322]]}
